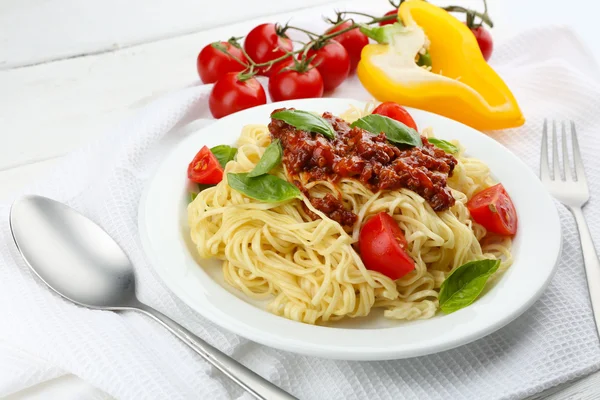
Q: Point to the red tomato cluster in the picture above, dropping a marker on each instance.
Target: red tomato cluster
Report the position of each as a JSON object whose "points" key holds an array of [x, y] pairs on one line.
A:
{"points": [[325, 66]]}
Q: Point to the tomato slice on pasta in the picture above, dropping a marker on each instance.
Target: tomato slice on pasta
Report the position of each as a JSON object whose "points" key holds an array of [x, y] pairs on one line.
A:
{"points": [[493, 208], [383, 247], [205, 168]]}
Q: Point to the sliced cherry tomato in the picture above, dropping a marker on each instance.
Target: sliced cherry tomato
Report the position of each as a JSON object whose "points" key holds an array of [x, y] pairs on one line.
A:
{"points": [[234, 92], [383, 247], [287, 84], [391, 21], [493, 208], [265, 43], [333, 62], [205, 168], [484, 39], [353, 41], [212, 63], [397, 112]]}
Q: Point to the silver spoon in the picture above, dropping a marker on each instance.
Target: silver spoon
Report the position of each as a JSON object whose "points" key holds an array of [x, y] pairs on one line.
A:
{"points": [[81, 262]]}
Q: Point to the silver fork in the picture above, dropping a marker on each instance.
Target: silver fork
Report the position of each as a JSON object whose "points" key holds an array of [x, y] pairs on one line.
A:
{"points": [[571, 189]]}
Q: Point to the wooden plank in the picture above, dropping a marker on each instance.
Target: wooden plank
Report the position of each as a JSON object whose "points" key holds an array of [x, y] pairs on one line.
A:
{"points": [[36, 31], [50, 109]]}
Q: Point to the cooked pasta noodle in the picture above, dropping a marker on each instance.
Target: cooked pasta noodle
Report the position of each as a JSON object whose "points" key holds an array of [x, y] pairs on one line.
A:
{"points": [[309, 270]]}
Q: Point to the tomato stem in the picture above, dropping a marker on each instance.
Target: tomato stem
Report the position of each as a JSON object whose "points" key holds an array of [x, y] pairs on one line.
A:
{"points": [[280, 30], [396, 5], [485, 18], [221, 48], [244, 76], [310, 34], [344, 13], [317, 41], [234, 41]]}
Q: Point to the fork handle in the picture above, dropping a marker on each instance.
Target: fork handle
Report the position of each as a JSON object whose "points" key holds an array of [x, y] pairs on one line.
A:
{"points": [[591, 262]]}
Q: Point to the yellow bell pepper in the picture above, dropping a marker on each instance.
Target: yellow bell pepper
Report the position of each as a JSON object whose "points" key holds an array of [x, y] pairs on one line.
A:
{"points": [[460, 85]]}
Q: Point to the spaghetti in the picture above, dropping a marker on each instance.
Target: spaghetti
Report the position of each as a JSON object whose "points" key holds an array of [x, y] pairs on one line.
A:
{"points": [[308, 267]]}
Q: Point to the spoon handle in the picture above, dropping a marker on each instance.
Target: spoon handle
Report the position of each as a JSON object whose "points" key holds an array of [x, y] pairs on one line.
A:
{"points": [[247, 379]]}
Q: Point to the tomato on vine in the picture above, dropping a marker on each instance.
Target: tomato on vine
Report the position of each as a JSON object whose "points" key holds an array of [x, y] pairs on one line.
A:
{"points": [[353, 41], [389, 21], [484, 40], [235, 91], [265, 43], [483, 36], [332, 61], [301, 81], [219, 58]]}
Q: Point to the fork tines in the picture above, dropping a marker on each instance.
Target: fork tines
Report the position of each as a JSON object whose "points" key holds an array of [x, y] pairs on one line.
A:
{"points": [[564, 173]]}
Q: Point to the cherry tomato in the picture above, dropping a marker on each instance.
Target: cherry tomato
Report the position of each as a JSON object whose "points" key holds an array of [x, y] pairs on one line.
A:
{"points": [[383, 247], [397, 112], [212, 63], [484, 39], [353, 41], [391, 21], [493, 208], [264, 44], [205, 168], [287, 84], [233, 93], [333, 63]]}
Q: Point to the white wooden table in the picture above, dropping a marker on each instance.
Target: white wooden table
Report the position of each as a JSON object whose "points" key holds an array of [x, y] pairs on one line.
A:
{"points": [[70, 70]]}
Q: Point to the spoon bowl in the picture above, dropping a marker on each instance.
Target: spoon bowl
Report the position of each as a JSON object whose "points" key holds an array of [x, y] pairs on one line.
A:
{"points": [[92, 271], [78, 260]]}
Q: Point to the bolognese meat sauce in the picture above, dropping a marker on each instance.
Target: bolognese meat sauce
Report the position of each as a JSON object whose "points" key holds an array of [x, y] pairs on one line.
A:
{"points": [[371, 159]]}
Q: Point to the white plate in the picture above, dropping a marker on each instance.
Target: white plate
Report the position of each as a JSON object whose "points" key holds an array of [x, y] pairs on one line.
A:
{"points": [[165, 237]]}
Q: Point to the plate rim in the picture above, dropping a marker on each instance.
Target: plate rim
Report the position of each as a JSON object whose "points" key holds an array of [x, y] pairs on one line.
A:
{"points": [[319, 350]]}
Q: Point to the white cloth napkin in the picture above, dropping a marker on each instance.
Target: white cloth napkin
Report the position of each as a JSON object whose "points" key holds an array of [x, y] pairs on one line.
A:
{"points": [[129, 356]]}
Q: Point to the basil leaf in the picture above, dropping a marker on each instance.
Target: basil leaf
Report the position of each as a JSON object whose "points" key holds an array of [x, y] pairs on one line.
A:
{"points": [[224, 153], [444, 145], [267, 188], [465, 283], [306, 121], [396, 132], [382, 34], [269, 160], [201, 187]]}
